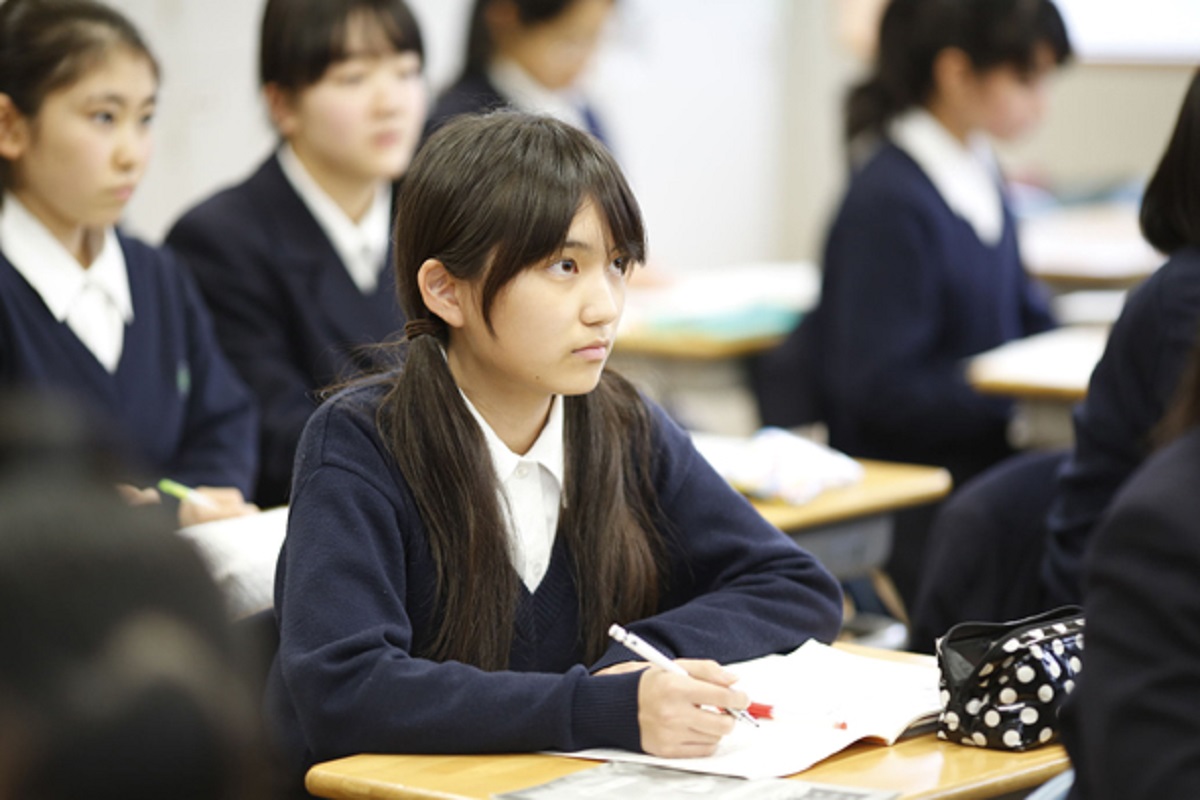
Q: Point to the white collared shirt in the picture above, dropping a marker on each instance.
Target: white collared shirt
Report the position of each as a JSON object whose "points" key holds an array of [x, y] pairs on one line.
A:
{"points": [[530, 492], [94, 301], [967, 177], [526, 94], [362, 246]]}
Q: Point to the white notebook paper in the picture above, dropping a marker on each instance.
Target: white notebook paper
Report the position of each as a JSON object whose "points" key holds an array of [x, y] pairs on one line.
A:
{"points": [[824, 699]]}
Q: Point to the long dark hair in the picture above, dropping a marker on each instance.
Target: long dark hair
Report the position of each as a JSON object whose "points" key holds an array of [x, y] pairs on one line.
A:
{"points": [[1170, 216], [300, 39], [991, 33], [47, 45], [489, 196]]}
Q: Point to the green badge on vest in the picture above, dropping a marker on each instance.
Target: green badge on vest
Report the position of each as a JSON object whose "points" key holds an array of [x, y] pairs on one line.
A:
{"points": [[183, 379]]}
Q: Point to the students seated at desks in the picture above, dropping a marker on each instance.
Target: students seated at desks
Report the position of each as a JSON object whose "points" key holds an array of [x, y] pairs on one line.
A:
{"points": [[463, 532], [528, 55], [1132, 727], [293, 261], [921, 266], [1128, 393], [84, 308]]}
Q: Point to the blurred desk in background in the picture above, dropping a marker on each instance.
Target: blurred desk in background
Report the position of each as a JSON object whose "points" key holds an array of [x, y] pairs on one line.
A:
{"points": [[1047, 374], [685, 342], [1096, 246]]}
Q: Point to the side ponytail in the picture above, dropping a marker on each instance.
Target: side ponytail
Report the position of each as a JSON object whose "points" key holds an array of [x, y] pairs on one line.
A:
{"points": [[442, 453]]}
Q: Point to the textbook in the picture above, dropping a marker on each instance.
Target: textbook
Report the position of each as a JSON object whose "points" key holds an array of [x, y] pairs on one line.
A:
{"points": [[618, 781], [822, 699]]}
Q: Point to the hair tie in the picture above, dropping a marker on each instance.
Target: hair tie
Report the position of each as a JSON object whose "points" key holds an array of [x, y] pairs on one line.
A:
{"points": [[420, 327]]}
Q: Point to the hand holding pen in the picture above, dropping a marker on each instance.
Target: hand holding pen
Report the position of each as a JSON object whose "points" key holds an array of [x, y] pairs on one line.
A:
{"points": [[702, 671]]}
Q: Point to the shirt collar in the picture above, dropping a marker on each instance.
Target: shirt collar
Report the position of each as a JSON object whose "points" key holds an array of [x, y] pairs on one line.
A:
{"points": [[362, 246], [53, 272], [520, 89], [966, 176], [547, 449]]}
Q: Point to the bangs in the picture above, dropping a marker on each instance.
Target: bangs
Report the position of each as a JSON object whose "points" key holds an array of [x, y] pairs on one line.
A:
{"points": [[301, 40], [553, 177]]}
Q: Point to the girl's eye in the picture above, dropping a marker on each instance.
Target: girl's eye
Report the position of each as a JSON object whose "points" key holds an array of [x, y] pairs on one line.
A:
{"points": [[104, 117], [564, 267], [350, 78], [620, 265]]}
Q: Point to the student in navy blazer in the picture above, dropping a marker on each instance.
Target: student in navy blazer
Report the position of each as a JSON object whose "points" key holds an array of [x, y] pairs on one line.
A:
{"points": [[84, 310], [527, 55], [294, 262]]}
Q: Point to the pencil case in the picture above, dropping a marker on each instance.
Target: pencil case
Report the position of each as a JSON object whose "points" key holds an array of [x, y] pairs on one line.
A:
{"points": [[1004, 684]]}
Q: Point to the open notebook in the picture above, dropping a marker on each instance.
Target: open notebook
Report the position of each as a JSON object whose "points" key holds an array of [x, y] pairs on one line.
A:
{"points": [[241, 554], [823, 700]]}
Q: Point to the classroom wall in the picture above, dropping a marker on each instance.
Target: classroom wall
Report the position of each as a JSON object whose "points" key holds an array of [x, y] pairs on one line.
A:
{"points": [[725, 114]]}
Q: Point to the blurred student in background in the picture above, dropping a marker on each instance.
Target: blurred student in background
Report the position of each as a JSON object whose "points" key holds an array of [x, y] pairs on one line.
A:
{"points": [[294, 262], [971, 544], [921, 266], [528, 55], [84, 308]]}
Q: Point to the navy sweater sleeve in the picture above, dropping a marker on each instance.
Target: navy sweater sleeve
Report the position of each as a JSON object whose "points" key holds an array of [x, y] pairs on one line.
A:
{"points": [[888, 362], [1127, 395], [354, 593], [1133, 728], [217, 443]]}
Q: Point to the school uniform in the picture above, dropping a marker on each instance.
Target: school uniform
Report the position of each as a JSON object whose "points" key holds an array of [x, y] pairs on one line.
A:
{"points": [[287, 310], [1132, 727], [159, 377], [505, 85], [354, 597], [921, 272], [1129, 391]]}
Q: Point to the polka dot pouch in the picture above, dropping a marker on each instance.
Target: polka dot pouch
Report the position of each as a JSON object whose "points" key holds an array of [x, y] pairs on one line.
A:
{"points": [[1003, 684]]}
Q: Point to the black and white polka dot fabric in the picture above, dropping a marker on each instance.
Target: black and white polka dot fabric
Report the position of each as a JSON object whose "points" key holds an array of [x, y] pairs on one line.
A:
{"points": [[1003, 684]]}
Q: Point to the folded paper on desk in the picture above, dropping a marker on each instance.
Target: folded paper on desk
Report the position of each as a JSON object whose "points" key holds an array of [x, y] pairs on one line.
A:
{"points": [[775, 464], [623, 781], [241, 554], [824, 700]]}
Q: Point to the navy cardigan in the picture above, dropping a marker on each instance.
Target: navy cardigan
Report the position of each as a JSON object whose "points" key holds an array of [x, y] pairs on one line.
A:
{"points": [[286, 312], [1132, 727], [1129, 391], [910, 292], [174, 401], [355, 588]]}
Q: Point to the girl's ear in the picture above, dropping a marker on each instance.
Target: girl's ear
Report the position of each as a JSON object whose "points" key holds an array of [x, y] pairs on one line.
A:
{"points": [[953, 73], [14, 130], [443, 294], [281, 105]]}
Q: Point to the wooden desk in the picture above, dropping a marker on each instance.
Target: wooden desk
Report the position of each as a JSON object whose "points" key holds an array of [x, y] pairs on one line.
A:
{"points": [[1047, 374], [685, 342], [849, 529], [1095, 246], [921, 768]]}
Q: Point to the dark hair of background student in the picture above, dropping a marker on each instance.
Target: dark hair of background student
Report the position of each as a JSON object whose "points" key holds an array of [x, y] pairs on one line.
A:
{"points": [[119, 677], [992, 33], [481, 48], [300, 39], [47, 46], [489, 196], [1170, 216]]}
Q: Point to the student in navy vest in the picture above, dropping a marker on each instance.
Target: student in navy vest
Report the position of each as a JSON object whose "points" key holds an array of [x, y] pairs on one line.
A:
{"points": [[528, 55], [293, 261], [921, 265], [84, 309], [465, 530]]}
